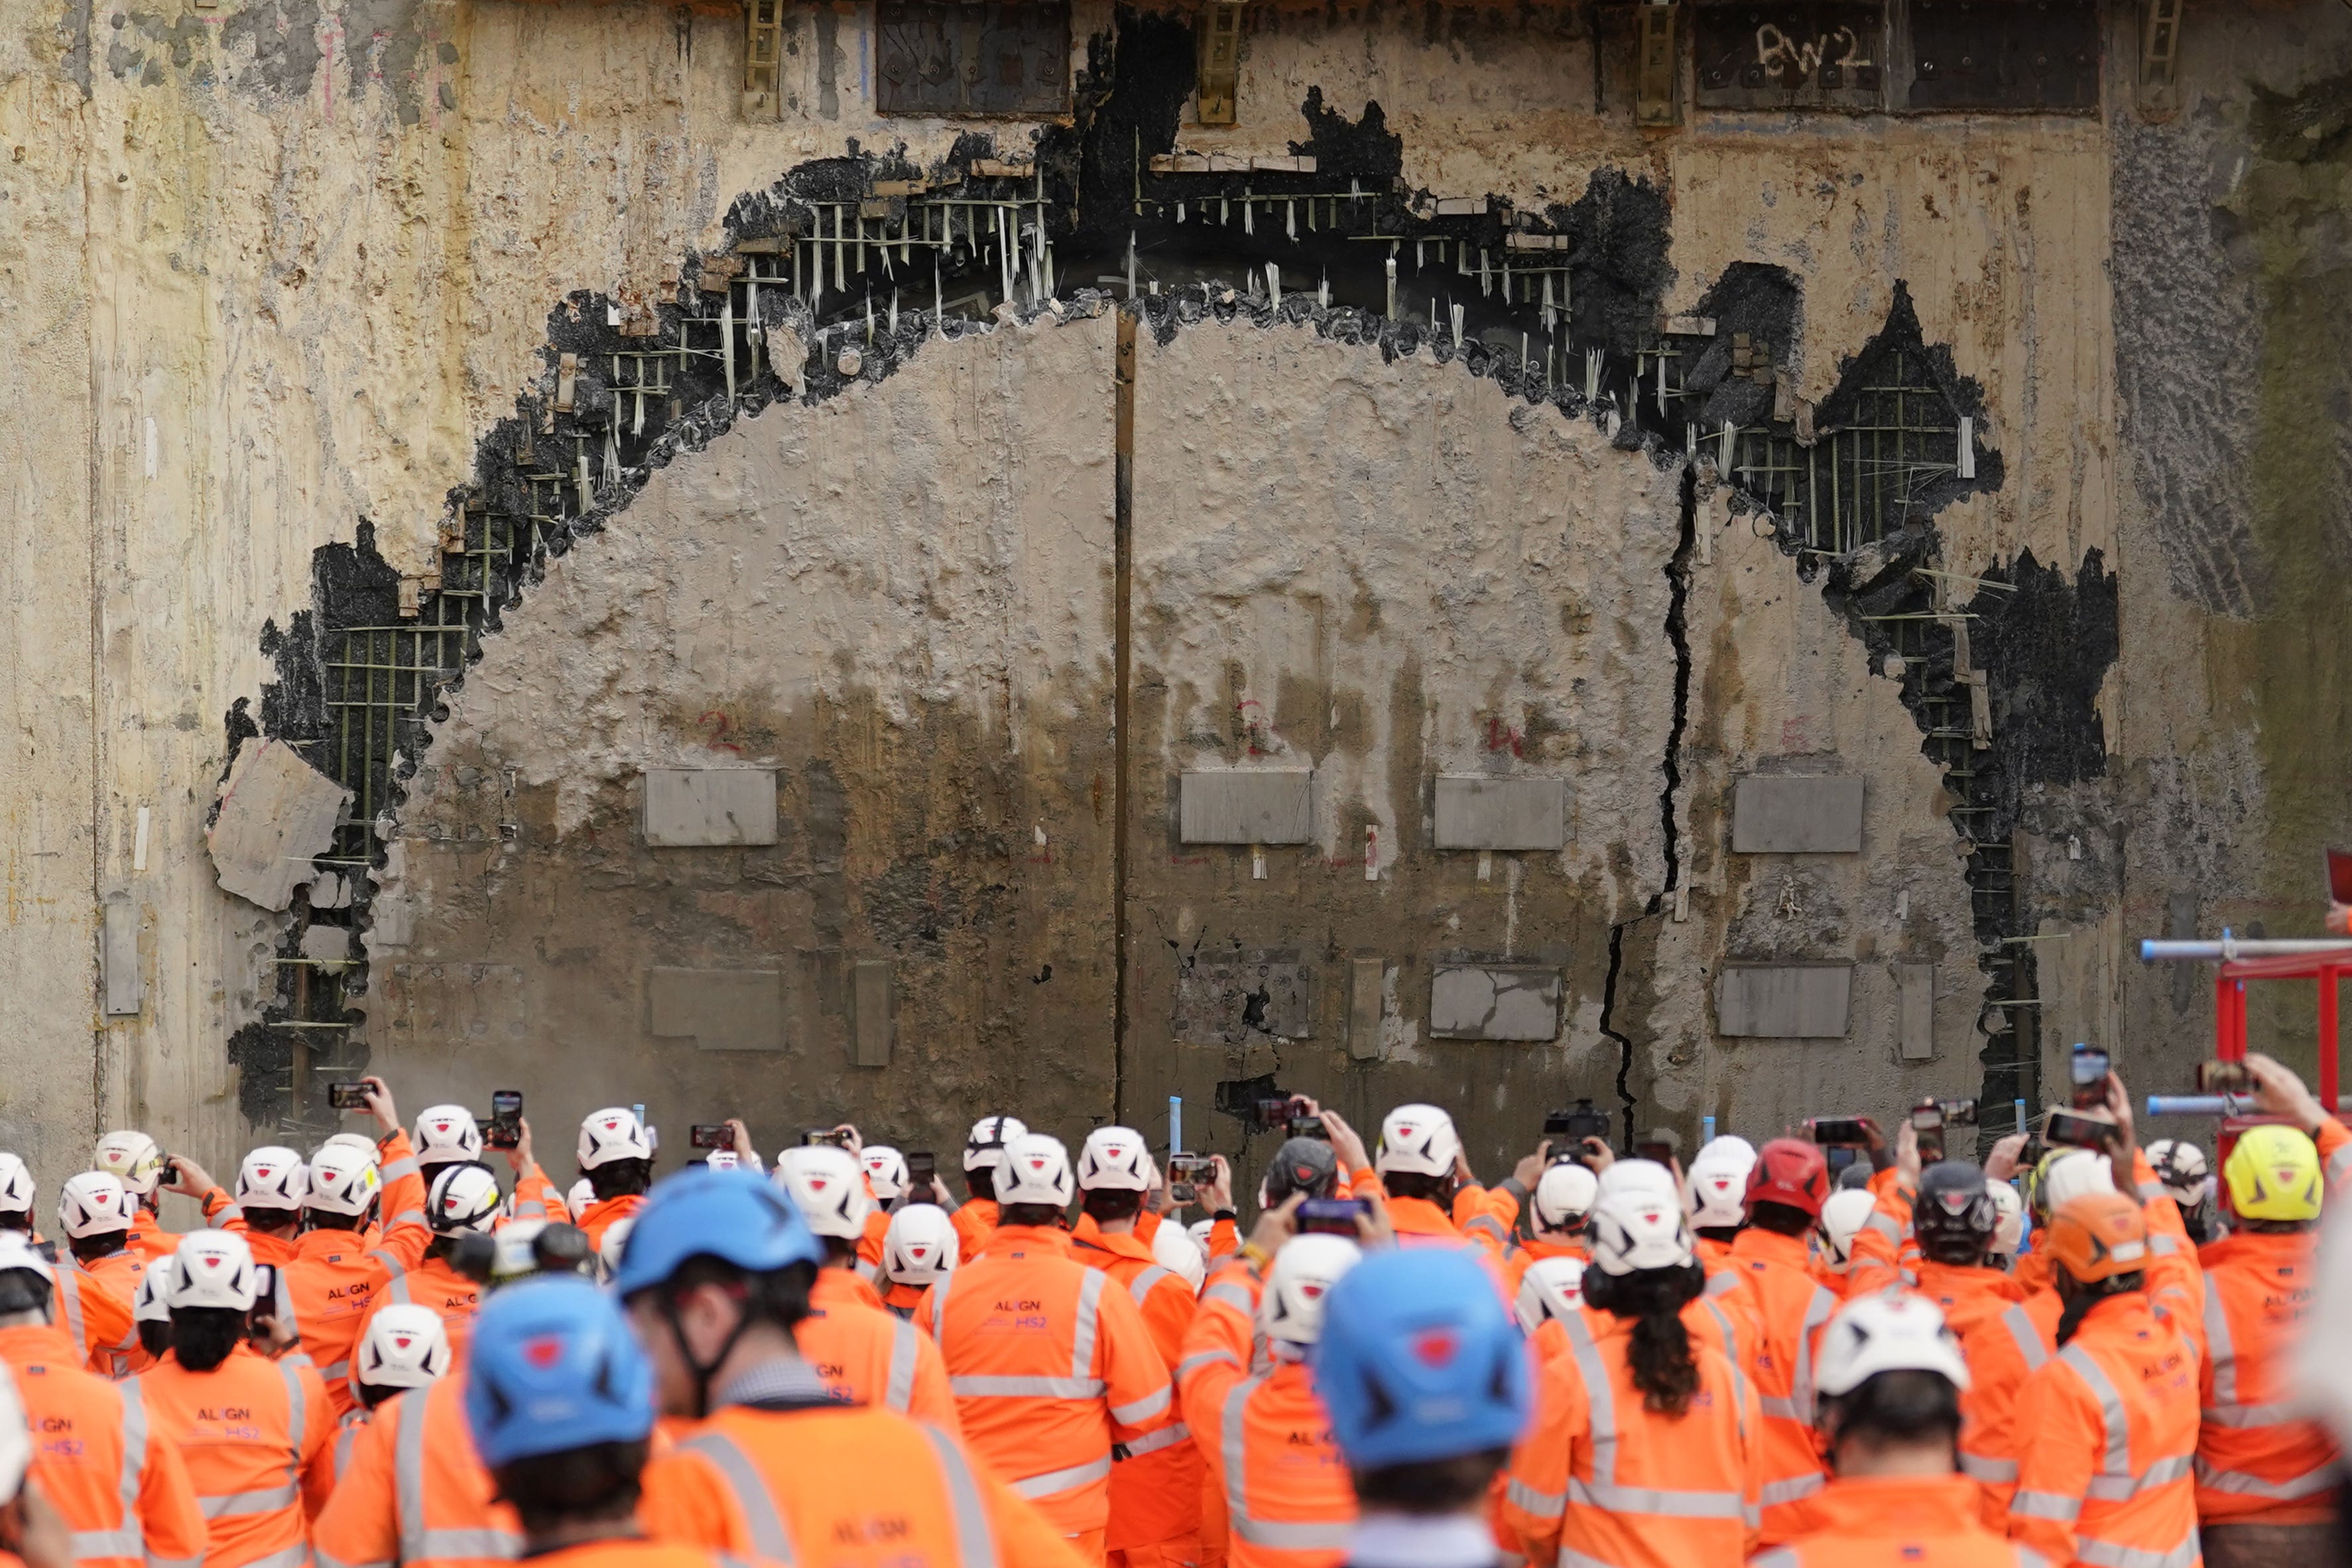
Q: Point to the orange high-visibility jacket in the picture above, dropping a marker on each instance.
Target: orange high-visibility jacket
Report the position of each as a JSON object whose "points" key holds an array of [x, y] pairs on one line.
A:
{"points": [[869, 1245], [147, 1238], [256, 1436], [118, 1481], [347, 1436], [1600, 1477], [902, 1300], [2106, 1439], [1534, 1250], [974, 1223], [603, 1215], [535, 1198], [415, 1492], [2259, 1461], [829, 1484], [95, 1315], [2003, 1342], [432, 1284], [1793, 1308], [636, 1552], [1051, 1365], [337, 1275], [1267, 1441], [1155, 1482], [1897, 1521], [866, 1356]]}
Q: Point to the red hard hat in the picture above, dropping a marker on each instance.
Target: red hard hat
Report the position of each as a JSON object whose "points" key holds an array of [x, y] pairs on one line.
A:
{"points": [[1791, 1171]]}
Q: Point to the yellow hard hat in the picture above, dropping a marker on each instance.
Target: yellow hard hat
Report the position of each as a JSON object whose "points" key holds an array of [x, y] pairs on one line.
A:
{"points": [[2273, 1173]]}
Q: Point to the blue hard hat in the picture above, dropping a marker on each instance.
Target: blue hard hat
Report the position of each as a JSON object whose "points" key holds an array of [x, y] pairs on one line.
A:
{"points": [[554, 1367], [731, 1215], [1419, 1362]]}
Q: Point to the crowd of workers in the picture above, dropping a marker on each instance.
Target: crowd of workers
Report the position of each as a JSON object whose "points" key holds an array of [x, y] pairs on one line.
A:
{"points": [[377, 1354]]}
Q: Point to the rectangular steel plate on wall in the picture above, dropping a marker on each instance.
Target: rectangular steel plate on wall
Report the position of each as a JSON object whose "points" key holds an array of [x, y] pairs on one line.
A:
{"points": [[2018, 55], [1494, 1001], [1797, 815], [1476, 813], [968, 60], [1785, 1001], [1791, 54], [704, 807], [719, 1010], [1246, 806]]}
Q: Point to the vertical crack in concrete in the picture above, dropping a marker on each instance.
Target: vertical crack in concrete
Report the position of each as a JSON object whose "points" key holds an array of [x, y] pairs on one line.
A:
{"points": [[1678, 579], [1610, 1030]]}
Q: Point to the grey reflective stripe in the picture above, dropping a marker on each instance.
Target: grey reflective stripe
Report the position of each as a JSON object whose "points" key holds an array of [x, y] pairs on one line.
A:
{"points": [[336, 1370], [1054, 1481], [531, 1208], [1234, 1446], [2028, 1336], [1527, 1499], [2222, 1351], [938, 1296], [2150, 1190], [2339, 1163], [70, 1288], [1723, 1325], [89, 1543], [2253, 1414], [1600, 1396], [1488, 1225], [1884, 1224], [1153, 1442], [396, 1289], [1663, 1504], [975, 1535], [1200, 1358], [1234, 1296], [1088, 1324], [2163, 1243], [1988, 1472], [493, 1544], [901, 1392], [769, 1539], [2122, 1488], [2117, 1461], [409, 1216], [1772, 1405], [343, 1440], [294, 1556], [1740, 1395], [1026, 1387], [403, 1167], [2322, 1479], [298, 1421], [1296, 1535], [1143, 1409], [1779, 1557], [1794, 1489], [1722, 1284], [134, 1463], [1139, 1288], [408, 1472], [236, 1504], [2046, 1505], [324, 1562], [155, 1562], [2105, 1554], [2029, 1558], [1818, 1312]]}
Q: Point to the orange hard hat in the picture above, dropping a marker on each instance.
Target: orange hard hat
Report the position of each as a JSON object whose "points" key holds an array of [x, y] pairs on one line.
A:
{"points": [[2099, 1236]]}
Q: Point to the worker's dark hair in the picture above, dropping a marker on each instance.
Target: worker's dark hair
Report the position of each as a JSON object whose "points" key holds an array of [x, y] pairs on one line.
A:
{"points": [[1436, 1189], [155, 1338], [22, 1291], [11, 1220], [1896, 1407], [90, 1249], [595, 1482], [2079, 1298], [271, 1221], [374, 1393], [981, 1183], [1111, 1205], [1045, 1213], [201, 1337], [1727, 1234], [1660, 1355], [320, 1219], [1779, 1219], [837, 1248], [618, 1178], [1432, 1486], [780, 1297]]}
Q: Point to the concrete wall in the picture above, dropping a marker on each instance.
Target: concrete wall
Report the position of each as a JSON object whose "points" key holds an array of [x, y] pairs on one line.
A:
{"points": [[274, 268]]}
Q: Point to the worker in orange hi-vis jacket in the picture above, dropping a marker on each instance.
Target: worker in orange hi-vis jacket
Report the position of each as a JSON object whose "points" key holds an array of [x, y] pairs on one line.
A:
{"points": [[865, 1355], [617, 1159], [1257, 1422], [919, 1250], [1432, 1198], [257, 1433], [267, 1208], [463, 1198], [1155, 1481], [135, 1160], [99, 1276], [983, 1152], [1891, 1377], [1647, 1448], [1844, 1213], [2107, 1428], [1715, 1193], [1557, 1207], [716, 1278], [1052, 1364], [119, 1483], [2269, 1479]]}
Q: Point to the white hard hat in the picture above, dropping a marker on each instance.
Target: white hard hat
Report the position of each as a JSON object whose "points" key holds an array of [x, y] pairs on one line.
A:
{"points": [[1417, 1140], [15, 1439], [2073, 1174], [613, 1133], [1844, 1215], [1199, 1231], [1290, 1310], [1639, 1230], [2008, 1233], [211, 1269], [1564, 1195], [15, 1186], [512, 1254], [1888, 1332], [1718, 1182], [406, 1346], [1551, 1288], [445, 1134], [272, 1178], [2181, 1167], [580, 1197], [990, 1136], [920, 1248], [131, 1158], [1638, 1176], [93, 1203], [723, 1160], [147, 1302], [462, 1197], [886, 1171], [17, 1251], [828, 1184], [344, 1180], [1036, 1169], [609, 1250], [1177, 1253], [359, 1141], [1115, 1160]]}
